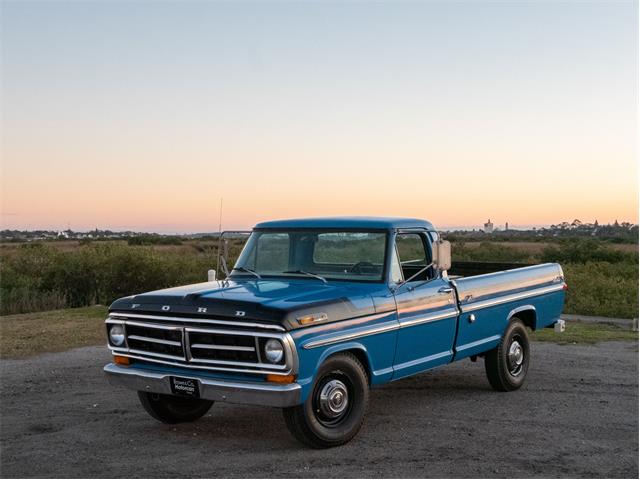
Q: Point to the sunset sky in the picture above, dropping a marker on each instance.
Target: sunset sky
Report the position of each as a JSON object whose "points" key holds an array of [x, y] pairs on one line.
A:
{"points": [[142, 115]]}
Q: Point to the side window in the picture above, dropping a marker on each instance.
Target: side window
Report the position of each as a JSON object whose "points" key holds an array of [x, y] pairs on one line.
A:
{"points": [[396, 270], [413, 255]]}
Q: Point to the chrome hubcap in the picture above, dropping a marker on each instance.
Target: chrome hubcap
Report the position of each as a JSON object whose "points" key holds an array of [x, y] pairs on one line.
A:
{"points": [[516, 356], [333, 399]]}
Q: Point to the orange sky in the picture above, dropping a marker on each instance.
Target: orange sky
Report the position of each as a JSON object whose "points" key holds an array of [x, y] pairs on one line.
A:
{"points": [[140, 116]]}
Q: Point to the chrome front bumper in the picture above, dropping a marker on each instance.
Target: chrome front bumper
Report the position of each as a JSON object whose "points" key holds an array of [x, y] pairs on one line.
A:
{"points": [[266, 394]]}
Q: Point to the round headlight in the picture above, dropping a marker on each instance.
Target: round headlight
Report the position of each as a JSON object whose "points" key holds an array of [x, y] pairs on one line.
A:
{"points": [[116, 335], [273, 350]]}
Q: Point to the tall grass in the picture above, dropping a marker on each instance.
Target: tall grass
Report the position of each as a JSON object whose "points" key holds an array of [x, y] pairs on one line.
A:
{"points": [[491, 252], [35, 277], [603, 289], [38, 277], [602, 281]]}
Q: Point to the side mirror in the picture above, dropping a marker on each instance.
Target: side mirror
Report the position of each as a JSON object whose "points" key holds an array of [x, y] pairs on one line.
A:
{"points": [[442, 255]]}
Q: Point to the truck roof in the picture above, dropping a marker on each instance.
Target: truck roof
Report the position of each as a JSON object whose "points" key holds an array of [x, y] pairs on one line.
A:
{"points": [[384, 223]]}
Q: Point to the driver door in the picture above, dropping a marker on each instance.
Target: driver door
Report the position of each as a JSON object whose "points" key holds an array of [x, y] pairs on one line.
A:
{"points": [[426, 307]]}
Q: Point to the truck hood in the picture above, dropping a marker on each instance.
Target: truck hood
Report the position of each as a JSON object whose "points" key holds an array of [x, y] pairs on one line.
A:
{"points": [[271, 301]]}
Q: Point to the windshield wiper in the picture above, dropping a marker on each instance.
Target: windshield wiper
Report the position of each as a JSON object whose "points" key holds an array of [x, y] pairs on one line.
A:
{"points": [[310, 274], [248, 270]]}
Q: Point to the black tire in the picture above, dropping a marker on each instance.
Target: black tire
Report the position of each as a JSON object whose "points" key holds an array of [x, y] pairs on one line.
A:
{"points": [[172, 409], [335, 409], [506, 369]]}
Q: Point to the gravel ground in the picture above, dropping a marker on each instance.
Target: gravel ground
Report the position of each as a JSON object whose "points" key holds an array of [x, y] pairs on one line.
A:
{"points": [[577, 416]]}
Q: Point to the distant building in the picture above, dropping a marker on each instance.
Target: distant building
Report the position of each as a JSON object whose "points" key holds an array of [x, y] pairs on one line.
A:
{"points": [[506, 226], [488, 227]]}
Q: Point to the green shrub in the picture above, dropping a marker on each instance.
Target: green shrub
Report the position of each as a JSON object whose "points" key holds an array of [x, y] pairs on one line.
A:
{"points": [[37, 277], [582, 251], [491, 252], [154, 239], [603, 289]]}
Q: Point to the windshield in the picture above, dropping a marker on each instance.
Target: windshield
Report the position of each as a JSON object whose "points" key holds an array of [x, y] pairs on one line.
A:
{"points": [[330, 255]]}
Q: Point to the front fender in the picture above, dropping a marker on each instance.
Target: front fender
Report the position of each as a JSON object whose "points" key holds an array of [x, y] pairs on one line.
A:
{"points": [[349, 346], [372, 339], [311, 361]]}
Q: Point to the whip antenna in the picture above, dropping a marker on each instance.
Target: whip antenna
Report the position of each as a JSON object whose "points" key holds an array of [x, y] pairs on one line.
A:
{"points": [[220, 221]]}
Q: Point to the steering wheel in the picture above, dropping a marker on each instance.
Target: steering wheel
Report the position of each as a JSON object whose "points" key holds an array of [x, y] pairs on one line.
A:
{"points": [[357, 268]]}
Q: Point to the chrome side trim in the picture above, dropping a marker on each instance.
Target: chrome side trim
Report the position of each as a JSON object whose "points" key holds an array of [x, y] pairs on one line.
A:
{"points": [[384, 371], [510, 298], [467, 346], [418, 361], [433, 317], [265, 326], [522, 308], [362, 318], [351, 335], [251, 393], [154, 340]]}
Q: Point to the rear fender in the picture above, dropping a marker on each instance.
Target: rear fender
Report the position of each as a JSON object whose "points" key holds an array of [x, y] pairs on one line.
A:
{"points": [[526, 313]]}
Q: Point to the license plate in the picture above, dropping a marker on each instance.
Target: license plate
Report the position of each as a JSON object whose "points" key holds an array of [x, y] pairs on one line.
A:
{"points": [[186, 387]]}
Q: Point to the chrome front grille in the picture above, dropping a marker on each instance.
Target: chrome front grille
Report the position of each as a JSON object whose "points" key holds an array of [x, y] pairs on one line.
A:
{"points": [[189, 344], [155, 339], [206, 346]]}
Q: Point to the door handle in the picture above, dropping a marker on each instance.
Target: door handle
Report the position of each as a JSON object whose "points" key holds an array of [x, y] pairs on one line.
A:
{"points": [[445, 290]]}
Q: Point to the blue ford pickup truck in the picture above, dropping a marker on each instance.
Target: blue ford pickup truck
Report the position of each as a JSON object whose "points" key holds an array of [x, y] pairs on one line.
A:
{"points": [[317, 311]]}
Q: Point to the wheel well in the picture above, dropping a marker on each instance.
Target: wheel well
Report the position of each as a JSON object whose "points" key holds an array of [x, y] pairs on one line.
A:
{"points": [[528, 317], [361, 355]]}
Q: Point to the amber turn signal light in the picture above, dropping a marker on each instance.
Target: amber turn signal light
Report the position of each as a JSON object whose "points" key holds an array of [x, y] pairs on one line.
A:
{"points": [[280, 378], [121, 360], [312, 318]]}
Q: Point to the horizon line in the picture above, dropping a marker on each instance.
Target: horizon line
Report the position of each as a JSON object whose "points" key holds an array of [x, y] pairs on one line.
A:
{"points": [[148, 230]]}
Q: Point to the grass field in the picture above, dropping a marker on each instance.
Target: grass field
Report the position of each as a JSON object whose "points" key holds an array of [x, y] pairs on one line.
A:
{"points": [[577, 332], [538, 247], [28, 334], [602, 276]]}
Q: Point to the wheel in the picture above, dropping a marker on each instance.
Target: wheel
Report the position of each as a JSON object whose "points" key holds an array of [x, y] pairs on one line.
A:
{"points": [[334, 411], [172, 409], [507, 364]]}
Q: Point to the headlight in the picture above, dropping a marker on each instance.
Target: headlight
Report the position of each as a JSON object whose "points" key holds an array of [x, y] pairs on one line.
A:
{"points": [[273, 350], [116, 335]]}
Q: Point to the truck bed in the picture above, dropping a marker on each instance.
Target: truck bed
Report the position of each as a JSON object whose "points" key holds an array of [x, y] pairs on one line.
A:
{"points": [[468, 269], [532, 293]]}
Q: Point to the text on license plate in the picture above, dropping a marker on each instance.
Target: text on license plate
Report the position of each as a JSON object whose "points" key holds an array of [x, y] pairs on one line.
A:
{"points": [[187, 387]]}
